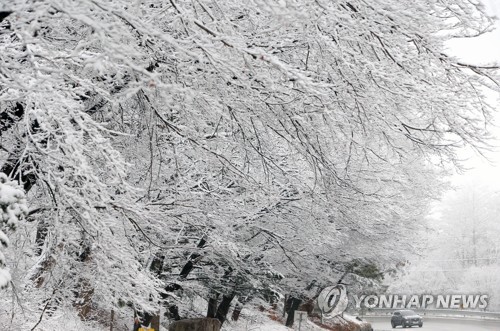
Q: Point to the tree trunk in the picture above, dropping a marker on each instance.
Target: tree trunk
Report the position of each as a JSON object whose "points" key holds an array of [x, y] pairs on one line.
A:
{"points": [[86, 291], [174, 312], [41, 233], [212, 306], [155, 322], [137, 324], [196, 324], [84, 300], [223, 308], [285, 303], [237, 311], [112, 320], [293, 304]]}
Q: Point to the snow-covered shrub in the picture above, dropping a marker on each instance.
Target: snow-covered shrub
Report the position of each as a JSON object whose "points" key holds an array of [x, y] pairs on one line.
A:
{"points": [[12, 208]]}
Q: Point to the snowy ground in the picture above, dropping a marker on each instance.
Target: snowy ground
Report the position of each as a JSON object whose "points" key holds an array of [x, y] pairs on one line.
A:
{"points": [[251, 319], [258, 321], [262, 323]]}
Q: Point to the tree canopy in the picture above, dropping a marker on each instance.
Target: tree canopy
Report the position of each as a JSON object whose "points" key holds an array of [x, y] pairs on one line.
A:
{"points": [[258, 142]]}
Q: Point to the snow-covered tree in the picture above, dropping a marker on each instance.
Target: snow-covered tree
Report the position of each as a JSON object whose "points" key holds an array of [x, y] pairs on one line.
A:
{"points": [[286, 135]]}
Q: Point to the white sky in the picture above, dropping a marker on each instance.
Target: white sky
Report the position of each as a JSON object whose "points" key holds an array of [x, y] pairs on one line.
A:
{"points": [[484, 49]]}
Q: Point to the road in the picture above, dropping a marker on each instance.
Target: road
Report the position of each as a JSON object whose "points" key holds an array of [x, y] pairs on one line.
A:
{"points": [[438, 324]]}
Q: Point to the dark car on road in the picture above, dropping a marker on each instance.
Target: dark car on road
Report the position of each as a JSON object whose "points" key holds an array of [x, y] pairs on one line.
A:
{"points": [[406, 318]]}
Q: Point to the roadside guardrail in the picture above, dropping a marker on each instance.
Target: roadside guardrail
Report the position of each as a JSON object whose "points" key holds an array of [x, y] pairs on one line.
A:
{"points": [[436, 313]]}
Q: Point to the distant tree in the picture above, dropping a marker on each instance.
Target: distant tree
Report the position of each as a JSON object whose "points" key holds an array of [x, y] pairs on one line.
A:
{"points": [[463, 250]]}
